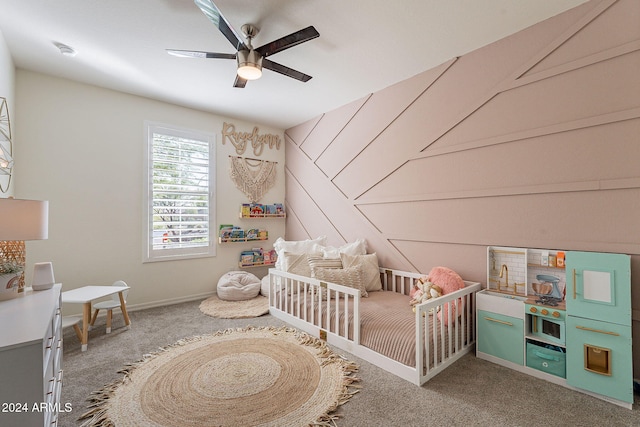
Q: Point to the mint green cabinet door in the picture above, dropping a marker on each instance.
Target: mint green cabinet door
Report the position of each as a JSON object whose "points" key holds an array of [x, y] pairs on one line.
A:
{"points": [[599, 345], [599, 357], [501, 336], [599, 286]]}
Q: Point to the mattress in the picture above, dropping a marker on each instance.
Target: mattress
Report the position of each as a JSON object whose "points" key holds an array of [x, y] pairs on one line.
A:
{"points": [[387, 325]]}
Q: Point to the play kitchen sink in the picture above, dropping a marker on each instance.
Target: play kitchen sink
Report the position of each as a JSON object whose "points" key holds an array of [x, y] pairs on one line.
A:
{"points": [[498, 302]]}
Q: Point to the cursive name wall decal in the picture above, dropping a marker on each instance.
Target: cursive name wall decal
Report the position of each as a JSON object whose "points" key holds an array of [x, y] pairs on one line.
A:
{"points": [[241, 140]]}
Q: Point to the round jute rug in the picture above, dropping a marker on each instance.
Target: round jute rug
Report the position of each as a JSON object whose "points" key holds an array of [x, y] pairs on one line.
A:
{"points": [[236, 377], [221, 309]]}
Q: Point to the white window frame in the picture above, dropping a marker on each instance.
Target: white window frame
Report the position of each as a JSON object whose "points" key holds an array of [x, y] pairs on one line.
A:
{"points": [[149, 253]]}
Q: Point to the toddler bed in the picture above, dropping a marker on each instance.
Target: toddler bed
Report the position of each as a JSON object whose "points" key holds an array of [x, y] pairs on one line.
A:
{"points": [[381, 328]]}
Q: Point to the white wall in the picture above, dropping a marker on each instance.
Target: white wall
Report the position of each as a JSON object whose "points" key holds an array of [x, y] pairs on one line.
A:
{"points": [[81, 148], [7, 79]]}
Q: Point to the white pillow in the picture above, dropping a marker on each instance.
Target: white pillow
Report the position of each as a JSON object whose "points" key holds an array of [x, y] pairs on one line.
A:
{"points": [[370, 269], [297, 246], [295, 263], [359, 247]]}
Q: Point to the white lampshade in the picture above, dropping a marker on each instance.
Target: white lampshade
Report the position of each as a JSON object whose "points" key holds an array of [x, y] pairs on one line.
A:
{"points": [[24, 219], [42, 276], [249, 64]]}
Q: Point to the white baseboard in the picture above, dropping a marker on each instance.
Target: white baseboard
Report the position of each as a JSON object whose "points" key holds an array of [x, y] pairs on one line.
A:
{"points": [[171, 301], [160, 303]]}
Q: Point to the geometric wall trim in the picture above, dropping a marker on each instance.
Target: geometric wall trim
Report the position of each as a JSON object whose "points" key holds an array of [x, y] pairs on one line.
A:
{"points": [[530, 141]]}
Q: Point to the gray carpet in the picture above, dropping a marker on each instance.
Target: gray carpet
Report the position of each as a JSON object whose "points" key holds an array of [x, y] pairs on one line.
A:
{"points": [[471, 392]]}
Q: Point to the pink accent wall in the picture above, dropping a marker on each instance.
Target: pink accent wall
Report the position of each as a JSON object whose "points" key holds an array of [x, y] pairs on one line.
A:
{"points": [[532, 141]]}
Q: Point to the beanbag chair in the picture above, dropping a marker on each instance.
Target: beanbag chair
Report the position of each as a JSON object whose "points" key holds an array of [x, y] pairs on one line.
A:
{"points": [[238, 286], [264, 286]]}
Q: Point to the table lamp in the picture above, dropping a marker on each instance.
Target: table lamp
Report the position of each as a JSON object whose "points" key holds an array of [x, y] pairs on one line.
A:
{"points": [[21, 220]]}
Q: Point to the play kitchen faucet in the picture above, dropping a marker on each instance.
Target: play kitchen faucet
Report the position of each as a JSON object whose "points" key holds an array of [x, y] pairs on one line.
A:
{"points": [[504, 269]]}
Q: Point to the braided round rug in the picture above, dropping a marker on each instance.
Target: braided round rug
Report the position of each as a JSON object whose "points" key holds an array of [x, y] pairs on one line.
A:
{"points": [[221, 309], [236, 377]]}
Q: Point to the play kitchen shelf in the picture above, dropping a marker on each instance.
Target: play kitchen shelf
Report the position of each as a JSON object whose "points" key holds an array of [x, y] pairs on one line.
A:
{"points": [[561, 316], [525, 271]]}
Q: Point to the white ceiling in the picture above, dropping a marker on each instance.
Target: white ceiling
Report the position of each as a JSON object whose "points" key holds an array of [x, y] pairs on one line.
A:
{"points": [[364, 46]]}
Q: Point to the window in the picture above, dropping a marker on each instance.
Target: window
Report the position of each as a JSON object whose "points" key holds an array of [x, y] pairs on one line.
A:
{"points": [[179, 181]]}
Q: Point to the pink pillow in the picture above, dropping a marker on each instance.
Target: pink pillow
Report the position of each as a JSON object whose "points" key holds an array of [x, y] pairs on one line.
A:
{"points": [[449, 281]]}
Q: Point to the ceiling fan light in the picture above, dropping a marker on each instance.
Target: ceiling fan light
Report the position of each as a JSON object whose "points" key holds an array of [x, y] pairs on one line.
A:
{"points": [[249, 64]]}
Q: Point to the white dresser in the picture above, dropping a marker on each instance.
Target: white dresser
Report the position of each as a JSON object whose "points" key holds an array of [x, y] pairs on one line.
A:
{"points": [[31, 359]]}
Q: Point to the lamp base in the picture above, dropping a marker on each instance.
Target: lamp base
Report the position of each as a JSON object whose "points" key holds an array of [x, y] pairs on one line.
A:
{"points": [[42, 287], [14, 251]]}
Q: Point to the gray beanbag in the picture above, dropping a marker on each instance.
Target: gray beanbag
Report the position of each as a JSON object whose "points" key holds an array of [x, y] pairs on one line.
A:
{"points": [[238, 286]]}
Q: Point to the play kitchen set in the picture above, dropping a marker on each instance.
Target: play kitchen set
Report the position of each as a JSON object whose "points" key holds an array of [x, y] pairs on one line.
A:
{"points": [[563, 316]]}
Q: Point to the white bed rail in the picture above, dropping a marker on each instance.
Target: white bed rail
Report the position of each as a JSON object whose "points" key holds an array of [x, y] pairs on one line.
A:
{"points": [[398, 281], [448, 334], [441, 338], [311, 301]]}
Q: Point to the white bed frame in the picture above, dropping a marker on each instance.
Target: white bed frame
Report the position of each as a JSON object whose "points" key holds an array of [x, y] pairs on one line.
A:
{"points": [[286, 303]]}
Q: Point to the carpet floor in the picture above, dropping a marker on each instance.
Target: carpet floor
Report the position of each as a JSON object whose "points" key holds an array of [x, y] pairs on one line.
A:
{"points": [[472, 392]]}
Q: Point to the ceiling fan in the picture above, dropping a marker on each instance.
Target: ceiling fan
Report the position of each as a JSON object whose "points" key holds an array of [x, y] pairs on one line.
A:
{"points": [[250, 60]]}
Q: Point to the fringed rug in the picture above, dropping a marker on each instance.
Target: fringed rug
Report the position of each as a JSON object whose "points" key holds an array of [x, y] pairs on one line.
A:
{"points": [[237, 377], [221, 309]]}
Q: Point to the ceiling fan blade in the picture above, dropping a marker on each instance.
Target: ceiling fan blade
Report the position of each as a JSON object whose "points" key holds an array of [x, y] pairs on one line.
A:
{"points": [[199, 54], [286, 42], [213, 13], [240, 82], [289, 72]]}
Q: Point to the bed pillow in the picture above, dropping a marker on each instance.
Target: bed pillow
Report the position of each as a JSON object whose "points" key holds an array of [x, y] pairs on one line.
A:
{"points": [[351, 277], [296, 263], [318, 261], [449, 281], [359, 247], [297, 246], [370, 269]]}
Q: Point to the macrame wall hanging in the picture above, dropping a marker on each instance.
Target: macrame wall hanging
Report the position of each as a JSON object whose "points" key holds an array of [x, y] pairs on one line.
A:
{"points": [[6, 149], [253, 177]]}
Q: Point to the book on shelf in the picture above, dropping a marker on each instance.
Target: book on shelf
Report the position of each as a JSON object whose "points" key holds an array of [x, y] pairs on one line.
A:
{"points": [[257, 234], [257, 256], [232, 233], [258, 210], [229, 232]]}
